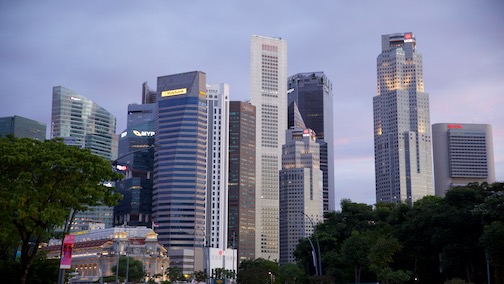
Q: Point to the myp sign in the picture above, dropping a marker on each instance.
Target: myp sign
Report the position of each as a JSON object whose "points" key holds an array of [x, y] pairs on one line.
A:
{"points": [[219, 281]]}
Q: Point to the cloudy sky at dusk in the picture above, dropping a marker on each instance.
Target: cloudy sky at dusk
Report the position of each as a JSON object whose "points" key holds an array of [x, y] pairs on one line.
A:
{"points": [[105, 50]]}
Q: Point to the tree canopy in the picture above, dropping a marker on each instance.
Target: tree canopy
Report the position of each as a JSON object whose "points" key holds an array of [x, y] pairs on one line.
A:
{"points": [[41, 183]]}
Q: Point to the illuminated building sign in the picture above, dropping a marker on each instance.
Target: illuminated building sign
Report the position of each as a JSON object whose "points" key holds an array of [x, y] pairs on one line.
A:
{"points": [[144, 133], [408, 37], [124, 134], [203, 93], [175, 92], [451, 126]]}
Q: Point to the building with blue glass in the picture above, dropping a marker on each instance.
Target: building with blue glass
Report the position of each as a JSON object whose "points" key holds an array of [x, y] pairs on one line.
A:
{"points": [[178, 202], [22, 127]]}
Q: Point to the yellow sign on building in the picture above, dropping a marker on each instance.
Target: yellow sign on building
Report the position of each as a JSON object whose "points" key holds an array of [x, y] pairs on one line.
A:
{"points": [[175, 92]]}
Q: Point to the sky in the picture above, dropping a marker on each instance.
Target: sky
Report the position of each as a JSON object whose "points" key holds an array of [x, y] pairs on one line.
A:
{"points": [[105, 50]]}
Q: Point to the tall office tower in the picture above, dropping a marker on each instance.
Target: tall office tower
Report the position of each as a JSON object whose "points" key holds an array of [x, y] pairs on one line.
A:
{"points": [[148, 95], [217, 165], [313, 95], [136, 162], [242, 183], [22, 127], [178, 202], [268, 93], [83, 123], [463, 153], [402, 140], [90, 125], [301, 190]]}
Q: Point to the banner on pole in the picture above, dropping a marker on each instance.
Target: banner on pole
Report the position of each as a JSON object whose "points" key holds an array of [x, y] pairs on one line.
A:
{"points": [[66, 254]]}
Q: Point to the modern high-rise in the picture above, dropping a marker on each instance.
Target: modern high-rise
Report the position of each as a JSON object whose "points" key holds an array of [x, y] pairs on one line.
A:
{"points": [[301, 190], [178, 202], [217, 165], [136, 162], [242, 182], [268, 93], [402, 139], [88, 124], [22, 127], [312, 92], [463, 153], [83, 123]]}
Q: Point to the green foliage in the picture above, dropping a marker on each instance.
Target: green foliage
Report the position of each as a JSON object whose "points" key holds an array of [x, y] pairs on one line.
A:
{"points": [[200, 276], [41, 183], [175, 273], [257, 271], [130, 266], [291, 273]]}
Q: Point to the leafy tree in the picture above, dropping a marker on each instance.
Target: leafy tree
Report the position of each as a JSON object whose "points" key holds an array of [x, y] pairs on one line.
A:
{"points": [[132, 267], [257, 271], [355, 251], [175, 273], [200, 276], [290, 273], [381, 257], [41, 183]]}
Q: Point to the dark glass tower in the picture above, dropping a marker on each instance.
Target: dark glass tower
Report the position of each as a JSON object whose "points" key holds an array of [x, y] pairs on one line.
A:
{"points": [[136, 162], [242, 184], [312, 93], [178, 202]]}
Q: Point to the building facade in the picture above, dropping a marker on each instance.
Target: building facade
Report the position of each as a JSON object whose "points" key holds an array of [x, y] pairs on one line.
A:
{"points": [[83, 123], [136, 162], [217, 165], [313, 95], [402, 139], [268, 93], [242, 167], [179, 194], [22, 127], [463, 153], [301, 190]]}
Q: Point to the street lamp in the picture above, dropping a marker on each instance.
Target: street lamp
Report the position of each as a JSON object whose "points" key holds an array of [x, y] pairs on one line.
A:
{"points": [[318, 245]]}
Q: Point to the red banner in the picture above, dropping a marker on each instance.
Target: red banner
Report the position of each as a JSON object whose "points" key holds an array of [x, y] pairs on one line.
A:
{"points": [[66, 254]]}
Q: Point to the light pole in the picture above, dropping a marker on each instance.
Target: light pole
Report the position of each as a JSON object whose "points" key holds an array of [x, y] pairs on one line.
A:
{"points": [[318, 245]]}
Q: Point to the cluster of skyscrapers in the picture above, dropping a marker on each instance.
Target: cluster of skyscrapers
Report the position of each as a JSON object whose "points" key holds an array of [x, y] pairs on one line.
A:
{"points": [[222, 181]]}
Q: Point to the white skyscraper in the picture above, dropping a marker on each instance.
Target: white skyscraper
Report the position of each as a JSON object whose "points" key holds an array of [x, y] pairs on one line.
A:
{"points": [[301, 190], [463, 153], [402, 139], [217, 168], [268, 92]]}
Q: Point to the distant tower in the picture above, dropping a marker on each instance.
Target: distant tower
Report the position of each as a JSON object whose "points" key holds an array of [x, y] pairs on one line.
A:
{"points": [[402, 140], [268, 93], [22, 127], [148, 95], [180, 168], [242, 182], [312, 92], [83, 123], [463, 153], [300, 190], [217, 165]]}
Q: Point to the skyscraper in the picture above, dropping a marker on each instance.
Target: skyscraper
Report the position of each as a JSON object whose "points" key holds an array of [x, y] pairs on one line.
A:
{"points": [[85, 124], [22, 127], [268, 93], [89, 125], [402, 140], [136, 161], [463, 153], [312, 92], [217, 165], [300, 190], [242, 168], [178, 202]]}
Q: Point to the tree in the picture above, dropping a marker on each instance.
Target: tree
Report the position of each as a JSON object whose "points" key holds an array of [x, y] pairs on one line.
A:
{"points": [[257, 271], [290, 273], [41, 183], [355, 251], [130, 266], [175, 273], [200, 276], [381, 257]]}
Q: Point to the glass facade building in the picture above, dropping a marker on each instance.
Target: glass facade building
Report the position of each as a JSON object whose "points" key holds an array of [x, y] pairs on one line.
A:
{"points": [[22, 127], [178, 202], [242, 182], [312, 93], [402, 138]]}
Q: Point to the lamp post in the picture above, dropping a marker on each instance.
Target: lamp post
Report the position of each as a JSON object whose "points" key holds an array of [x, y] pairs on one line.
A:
{"points": [[318, 245]]}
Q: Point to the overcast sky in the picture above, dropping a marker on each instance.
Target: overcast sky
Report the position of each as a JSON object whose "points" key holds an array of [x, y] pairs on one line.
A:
{"points": [[105, 50]]}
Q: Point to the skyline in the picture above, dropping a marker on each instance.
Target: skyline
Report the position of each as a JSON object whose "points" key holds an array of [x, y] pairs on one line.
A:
{"points": [[105, 51]]}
